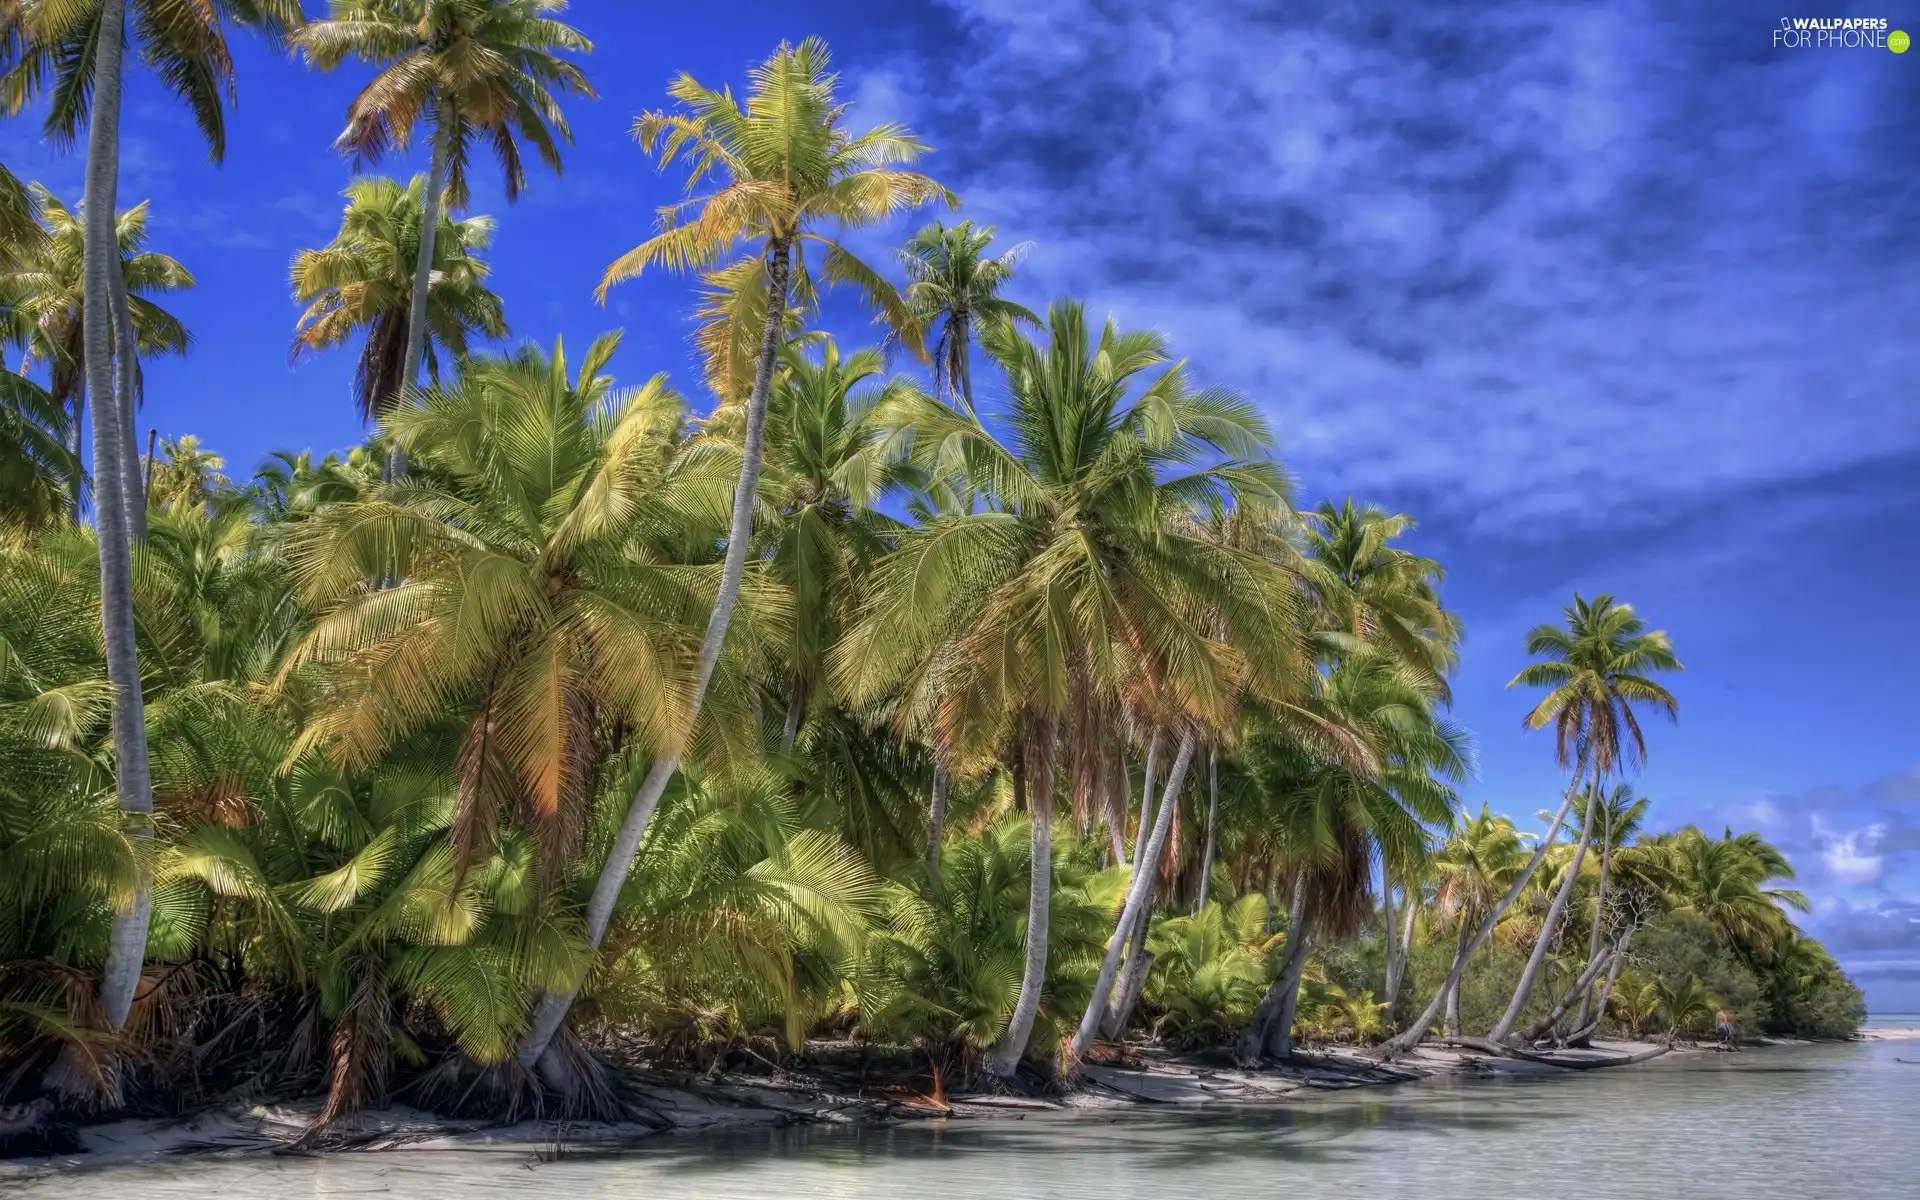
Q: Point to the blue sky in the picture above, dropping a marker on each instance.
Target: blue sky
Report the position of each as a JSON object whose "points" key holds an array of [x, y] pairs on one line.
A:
{"points": [[1611, 296]]}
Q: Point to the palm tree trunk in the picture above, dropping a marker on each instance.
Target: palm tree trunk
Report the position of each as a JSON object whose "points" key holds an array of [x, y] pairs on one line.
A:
{"points": [[430, 207], [1459, 961], [1269, 1034], [1414, 1033], [1133, 915], [1004, 1059], [78, 484], [1581, 986], [552, 1007], [127, 945], [937, 820], [1537, 960], [1213, 814], [1146, 792], [1599, 912], [133, 492], [1397, 967], [1613, 974]]}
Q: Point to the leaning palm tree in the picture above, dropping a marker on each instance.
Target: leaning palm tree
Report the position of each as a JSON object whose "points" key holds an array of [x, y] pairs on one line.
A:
{"points": [[784, 163], [1075, 590], [468, 70], [1621, 813], [1595, 668], [362, 282], [75, 55], [48, 293], [956, 284]]}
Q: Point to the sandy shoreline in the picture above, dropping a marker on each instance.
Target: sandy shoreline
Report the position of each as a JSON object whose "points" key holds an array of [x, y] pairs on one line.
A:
{"points": [[694, 1105]]}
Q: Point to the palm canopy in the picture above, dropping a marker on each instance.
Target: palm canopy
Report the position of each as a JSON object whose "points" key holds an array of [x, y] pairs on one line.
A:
{"points": [[1595, 669], [1376, 592], [781, 161], [48, 48], [544, 601], [36, 465], [473, 70], [1078, 585], [1360, 771], [49, 293], [1724, 880], [1477, 864], [956, 284], [826, 469], [362, 282]]}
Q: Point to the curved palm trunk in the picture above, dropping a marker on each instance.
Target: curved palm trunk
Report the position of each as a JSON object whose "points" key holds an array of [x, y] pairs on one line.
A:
{"points": [[126, 948], [937, 818], [1133, 915], [1555, 911], [1146, 792], [1599, 913], [1459, 961], [1581, 986], [1400, 951], [1414, 1033], [552, 1007], [430, 206], [126, 351], [1269, 1034], [1004, 1059], [1606, 989], [1213, 815]]}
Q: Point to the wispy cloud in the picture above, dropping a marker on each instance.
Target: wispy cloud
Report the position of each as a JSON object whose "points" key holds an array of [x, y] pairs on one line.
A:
{"points": [[1535, 260]]}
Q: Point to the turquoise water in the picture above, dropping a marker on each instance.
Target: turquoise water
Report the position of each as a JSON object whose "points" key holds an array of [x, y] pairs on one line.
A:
{"points": [[1837, 1121]]}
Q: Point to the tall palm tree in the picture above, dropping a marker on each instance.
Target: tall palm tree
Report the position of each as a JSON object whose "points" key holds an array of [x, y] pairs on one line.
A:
{"points": [[362, 282], [784, 163], [48, 291], [1595, 669], [469, 71], [1074, 590], [74, 54], [955, 284]]}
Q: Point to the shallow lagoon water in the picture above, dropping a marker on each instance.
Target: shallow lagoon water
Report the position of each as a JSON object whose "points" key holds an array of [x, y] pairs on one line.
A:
{"points": [[1837, 1121]]}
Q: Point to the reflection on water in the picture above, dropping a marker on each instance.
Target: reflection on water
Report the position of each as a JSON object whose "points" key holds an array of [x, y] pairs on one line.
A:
{"points": [[1823, 1121]]}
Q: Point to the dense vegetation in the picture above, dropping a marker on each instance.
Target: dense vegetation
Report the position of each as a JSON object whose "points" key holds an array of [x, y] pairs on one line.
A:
{"points": [[1003, 706]]}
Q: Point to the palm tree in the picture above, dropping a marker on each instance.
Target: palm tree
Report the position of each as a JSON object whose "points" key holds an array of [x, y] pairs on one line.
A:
{"points": [[75, 55], [826, 468], [1723, 881], [539, 592], [955, 284], [1341, 802], [48, 292], [1074, 590], [1595, 669], [190, 476], [470, 71], [363, 282], [1621, 813], [785, 163], [1377, 592], [1475, 866]]}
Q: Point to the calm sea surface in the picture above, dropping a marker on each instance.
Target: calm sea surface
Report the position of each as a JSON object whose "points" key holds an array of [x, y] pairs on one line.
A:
{"points": [[1819, 1121]]}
